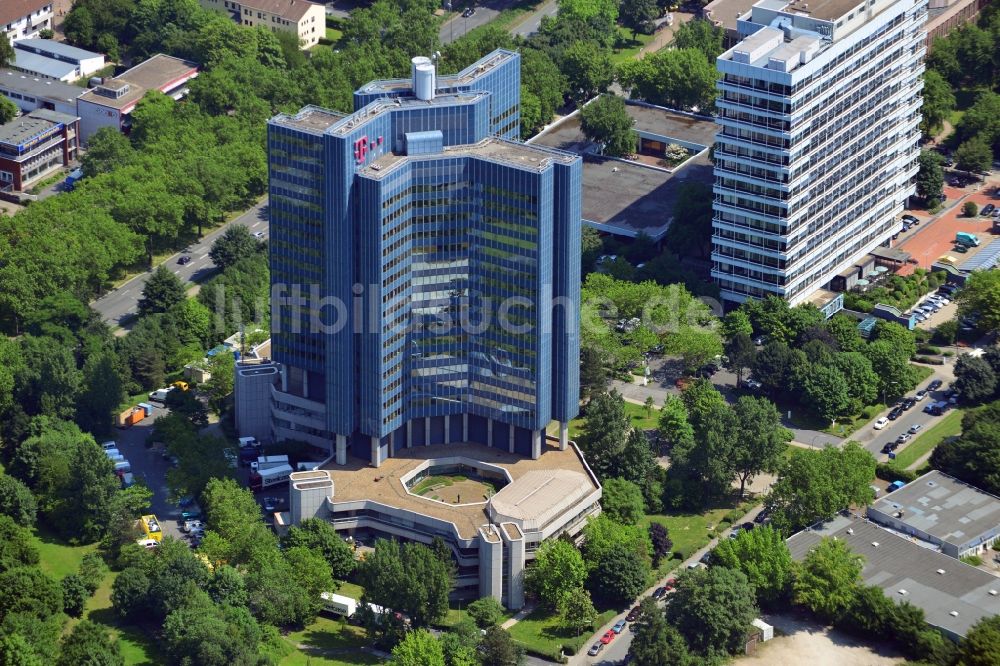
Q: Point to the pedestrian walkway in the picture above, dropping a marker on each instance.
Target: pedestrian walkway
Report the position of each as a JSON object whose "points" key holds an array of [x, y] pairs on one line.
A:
{"points": [[520, 615]]}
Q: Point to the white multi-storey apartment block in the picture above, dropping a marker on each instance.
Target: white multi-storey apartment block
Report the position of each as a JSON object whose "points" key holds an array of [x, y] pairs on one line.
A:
{"points": [[24, 19], [819, 106]]}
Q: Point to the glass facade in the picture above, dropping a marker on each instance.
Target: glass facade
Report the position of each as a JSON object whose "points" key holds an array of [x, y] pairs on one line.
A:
{"points": [[426, 269]]}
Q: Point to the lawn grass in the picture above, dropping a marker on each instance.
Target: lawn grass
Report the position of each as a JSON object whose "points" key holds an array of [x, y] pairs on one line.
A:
{"points": [[627, 48], [949, 426], [689, 531], [540, 633], [636, 415], [56, 557], [137, 648], [330, 642], [334, 35], [351, 590]]}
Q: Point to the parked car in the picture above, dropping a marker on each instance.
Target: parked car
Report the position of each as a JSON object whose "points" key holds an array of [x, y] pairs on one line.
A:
{"points": [[915, 428], [633, 614], [911, 219], [258, 235], [608, 636], [670, 584], [659, 593], [619, 626], [881, 423], [595, 649], [752, 384], [921, 394], [987, 209], [934, 385], [193, 525], [895, 413], [889, 447], [903, 439]]}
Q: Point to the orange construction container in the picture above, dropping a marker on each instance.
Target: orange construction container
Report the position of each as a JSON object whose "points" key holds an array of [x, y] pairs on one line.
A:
{"points": [[137, 415], [123, 418]]}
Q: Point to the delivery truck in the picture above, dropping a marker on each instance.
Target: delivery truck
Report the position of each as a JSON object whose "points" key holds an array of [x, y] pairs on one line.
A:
{"points": [[339, 604], [268, 462], [266, 478]]}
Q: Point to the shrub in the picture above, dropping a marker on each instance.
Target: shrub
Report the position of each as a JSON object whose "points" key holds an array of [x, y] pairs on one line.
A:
{"points": [[928, 349], [888, 472], [970, 209], [973, 560]]}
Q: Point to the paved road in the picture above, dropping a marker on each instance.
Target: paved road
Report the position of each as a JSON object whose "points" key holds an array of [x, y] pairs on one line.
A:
{"points": [[118, 304], [874, 440], [530, 24], [458, 25], [661, 384], [149, 466], [617, 650]]}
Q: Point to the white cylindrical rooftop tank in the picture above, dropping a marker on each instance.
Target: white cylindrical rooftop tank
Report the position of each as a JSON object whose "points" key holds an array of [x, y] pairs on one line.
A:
{"points": [[416, 62], [423, 81]]}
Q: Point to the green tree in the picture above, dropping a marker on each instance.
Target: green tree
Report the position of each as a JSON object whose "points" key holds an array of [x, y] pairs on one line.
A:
{"points": [[7, 55], [576, 611], [16, 500], [974, 456], [605, 121], [487, 612], [712, 609], [558, 568], [497, 648], [220, 386], [419, 648], [605, 11], [129, 593], [107, 149], [673, 425], [588, 70], [740, 352], [735, 323], [656, 643], [824, 389], [970, 209], [815, 485], [678, 78], [762, 440], [28, 589], [828, 579], [320, 536], [92, 571], [638, 15], [75, 594], [619, 574], [101, 393], [981, 121], [700, 34], [16, 651], [8, 110], [612, 448], [861, 379], [975, 380], [622, 501], [408, 578], [981, 645], [891, 364], [974, 155], [90, 643], [763, 556], [162, 291], [930, 177], [17, 548], [981, 294], [235, 243], [939, 101]]}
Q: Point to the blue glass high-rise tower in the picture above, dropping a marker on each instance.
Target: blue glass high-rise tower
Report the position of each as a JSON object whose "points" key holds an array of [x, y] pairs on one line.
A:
{"points": [[425, 269]]}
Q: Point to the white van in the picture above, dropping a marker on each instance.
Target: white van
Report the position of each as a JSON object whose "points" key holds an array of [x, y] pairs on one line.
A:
{"points": [[112, 452], [109, 445], [160, 395], [116, 458], [122, 466]]}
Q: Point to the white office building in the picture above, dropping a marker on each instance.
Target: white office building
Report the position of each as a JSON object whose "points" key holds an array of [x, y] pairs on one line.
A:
{"points": [[819, 105]]}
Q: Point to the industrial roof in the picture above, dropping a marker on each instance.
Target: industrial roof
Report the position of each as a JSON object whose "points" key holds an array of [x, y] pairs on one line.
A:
{"points": [[725, 12], [943, 507], [539, 496], [160, 72], [985, 259], [952, 594], [43, 65], [12, 10], [357, 480], [24, 84], [26, 127], [54, 47]]}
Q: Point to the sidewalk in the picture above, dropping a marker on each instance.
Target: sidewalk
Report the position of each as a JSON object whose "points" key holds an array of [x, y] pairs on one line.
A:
{"points": [[520, 615]]}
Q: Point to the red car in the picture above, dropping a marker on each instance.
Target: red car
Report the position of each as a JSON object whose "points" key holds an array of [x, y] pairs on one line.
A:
{"points": [[669, 584], [608, 636]]}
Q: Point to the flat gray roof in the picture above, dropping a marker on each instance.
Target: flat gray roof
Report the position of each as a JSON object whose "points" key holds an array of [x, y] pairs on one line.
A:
{"points": [[906, 571], [58, 48], [25, 127], [625, 198], [943, 507], [27, 85], [34, 62], [725, 12]]}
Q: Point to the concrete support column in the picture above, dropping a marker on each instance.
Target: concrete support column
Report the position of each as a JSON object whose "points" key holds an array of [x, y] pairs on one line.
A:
{"points": [[409, 434], [489, 432], [563, 435], [376, 452], [392, 443], [510, 439], [341, 449], [536, 444], [465, 427], [447, 429], [427, 431]]}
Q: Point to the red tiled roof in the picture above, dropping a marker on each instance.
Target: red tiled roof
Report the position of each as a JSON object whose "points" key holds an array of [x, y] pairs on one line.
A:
{"points": [[292, 10], [11, 10]]}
